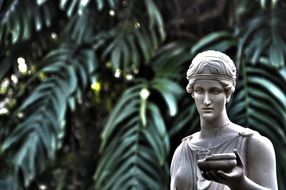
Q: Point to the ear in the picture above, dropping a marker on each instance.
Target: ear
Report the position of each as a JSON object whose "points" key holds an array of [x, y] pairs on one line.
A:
{"points": [[192, 94], [228, 97]]}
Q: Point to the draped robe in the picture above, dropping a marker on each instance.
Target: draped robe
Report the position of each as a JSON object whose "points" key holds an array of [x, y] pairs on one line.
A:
{"points": [[185, 174]]}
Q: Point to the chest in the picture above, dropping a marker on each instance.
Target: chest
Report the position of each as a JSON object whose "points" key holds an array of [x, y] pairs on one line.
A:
{"points": [[188, 175]]}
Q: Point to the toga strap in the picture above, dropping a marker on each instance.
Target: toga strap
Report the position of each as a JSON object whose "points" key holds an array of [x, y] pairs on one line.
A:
{"points": [[242, 145]]}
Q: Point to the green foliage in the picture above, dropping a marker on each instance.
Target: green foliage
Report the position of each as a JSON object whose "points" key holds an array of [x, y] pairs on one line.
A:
{"points": [[38, 135], [134, 55], [4, 67], [260, 90], [264, 36], [72, 7], [169, 60], [20, 19], [220, 41], [135, 151], [131, 43]]}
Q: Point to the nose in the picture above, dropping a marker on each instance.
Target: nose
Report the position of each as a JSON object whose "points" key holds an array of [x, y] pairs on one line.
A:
{"points": [[206, 100]]}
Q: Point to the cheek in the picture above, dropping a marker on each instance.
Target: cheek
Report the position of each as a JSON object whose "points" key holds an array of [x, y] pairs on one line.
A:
{"points": [[217, 98], [197, 97], [220, 101]]}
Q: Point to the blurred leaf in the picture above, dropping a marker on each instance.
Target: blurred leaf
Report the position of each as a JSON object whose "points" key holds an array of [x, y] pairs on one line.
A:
{"points": [[141, 150], [35, 140], [20, 19], [9, 183], [220, 41], [130, 42], [73, 7], [170, 91], [259, 103], [124, 49], [41, 2], [155, 17], [79, 28], [170, 59], [186, 121], [5, 65], [264, 36]]}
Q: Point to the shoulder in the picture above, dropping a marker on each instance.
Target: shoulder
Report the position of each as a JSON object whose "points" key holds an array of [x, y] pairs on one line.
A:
{"points": [[261, 161], [189, 137], [243, 131], [257, 145], [182, 148], [192, 136], [256, 142], [178, 150], [182, 145], [260, 145], [177, 156]]}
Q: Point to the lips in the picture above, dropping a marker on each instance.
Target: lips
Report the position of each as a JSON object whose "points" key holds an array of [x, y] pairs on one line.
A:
{"points": [[207, 109]]}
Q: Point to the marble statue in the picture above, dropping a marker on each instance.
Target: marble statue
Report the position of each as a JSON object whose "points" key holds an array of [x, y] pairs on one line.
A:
{"points": [[222, 155]]}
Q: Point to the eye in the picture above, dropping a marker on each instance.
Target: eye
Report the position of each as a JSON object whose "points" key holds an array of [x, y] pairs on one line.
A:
{"points": [[198, 90], [216, 90]]}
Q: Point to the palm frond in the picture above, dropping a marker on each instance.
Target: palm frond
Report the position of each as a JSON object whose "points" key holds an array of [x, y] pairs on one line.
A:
{"points": [[9, 183], [170, 91], [136, 131], [264, 36], [155, 18], [133, 40], [187, 121], [259, 103], [257, 90], [21, 19], [171, 63], [5, 65], [78, 7], [220, 41], [170, 59], [79, 28], [37, 137]]}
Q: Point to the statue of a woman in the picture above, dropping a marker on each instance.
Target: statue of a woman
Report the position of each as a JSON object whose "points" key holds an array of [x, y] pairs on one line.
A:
{"points": [[212, 78]]}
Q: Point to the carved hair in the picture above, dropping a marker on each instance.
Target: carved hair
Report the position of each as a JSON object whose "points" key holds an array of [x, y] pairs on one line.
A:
{"points": [[212, 65]]}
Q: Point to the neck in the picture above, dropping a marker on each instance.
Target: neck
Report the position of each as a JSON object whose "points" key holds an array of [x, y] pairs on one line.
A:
{"points": [[214, 128]]}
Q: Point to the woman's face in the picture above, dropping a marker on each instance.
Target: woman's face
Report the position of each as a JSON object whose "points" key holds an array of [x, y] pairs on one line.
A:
{"points": [[210, 98]]}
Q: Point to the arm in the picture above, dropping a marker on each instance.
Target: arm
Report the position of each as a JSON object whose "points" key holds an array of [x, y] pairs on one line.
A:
{"points": [[261, 162], [174, 166], [261, 168]]}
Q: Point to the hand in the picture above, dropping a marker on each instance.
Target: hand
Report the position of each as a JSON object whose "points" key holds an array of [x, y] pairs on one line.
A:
{"points": [[230, 178]]}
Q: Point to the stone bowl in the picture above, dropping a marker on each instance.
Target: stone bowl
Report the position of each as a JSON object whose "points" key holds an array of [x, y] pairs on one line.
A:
{"points": [[224, 162]]}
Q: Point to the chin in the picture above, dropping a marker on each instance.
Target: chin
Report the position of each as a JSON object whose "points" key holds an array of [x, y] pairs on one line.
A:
{"points": [[208, 116]]}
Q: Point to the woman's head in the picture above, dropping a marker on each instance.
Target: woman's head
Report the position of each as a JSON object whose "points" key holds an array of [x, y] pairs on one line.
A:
{"points": [[212, 65]]}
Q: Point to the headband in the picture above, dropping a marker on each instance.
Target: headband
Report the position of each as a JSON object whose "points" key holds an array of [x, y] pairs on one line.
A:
{"points": [[210, 77]]}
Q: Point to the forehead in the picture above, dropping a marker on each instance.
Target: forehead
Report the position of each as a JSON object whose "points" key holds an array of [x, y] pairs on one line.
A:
{"points": [[208, 83]]}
